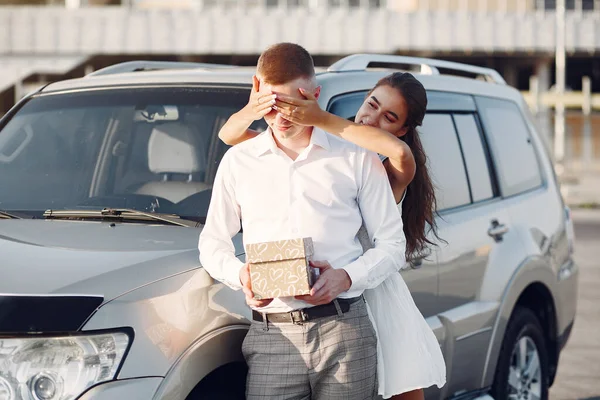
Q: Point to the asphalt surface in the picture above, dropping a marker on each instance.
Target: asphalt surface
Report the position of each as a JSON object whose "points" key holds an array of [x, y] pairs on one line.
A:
{"points": [[578, 375]]}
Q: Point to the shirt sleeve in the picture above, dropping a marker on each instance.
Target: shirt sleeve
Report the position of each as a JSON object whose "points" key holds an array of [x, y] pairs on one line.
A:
{"points": [[217, 252], [383, 221]]}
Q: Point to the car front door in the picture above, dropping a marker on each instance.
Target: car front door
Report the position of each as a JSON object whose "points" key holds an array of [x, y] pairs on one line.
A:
{"points": [[422, 281]]}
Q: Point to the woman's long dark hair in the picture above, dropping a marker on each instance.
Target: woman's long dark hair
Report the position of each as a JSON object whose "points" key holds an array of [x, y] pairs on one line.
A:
{"points": [[419, 205]]}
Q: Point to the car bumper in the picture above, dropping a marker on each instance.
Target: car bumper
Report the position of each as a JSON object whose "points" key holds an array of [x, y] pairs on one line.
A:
{"points": [[568, 285], [130, 389]]}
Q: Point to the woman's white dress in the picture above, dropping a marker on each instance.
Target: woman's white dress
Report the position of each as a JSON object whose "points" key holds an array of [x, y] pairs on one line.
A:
{"points": [[408, 354]]}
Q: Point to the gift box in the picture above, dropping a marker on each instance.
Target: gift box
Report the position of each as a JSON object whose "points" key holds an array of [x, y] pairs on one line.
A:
{"points": [[281, 268]]}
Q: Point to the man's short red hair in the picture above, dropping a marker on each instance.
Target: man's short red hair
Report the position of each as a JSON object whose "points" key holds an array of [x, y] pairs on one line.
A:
{"points": [[284, 62]]}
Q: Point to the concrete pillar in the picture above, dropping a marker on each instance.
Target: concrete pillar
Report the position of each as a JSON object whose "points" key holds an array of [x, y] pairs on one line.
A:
{"points": [[403, 5], [511, 74], [316, 4], [543, 115], [483, 6], [19, 91], [560, 59], [534, 91], [73, 3], [586, 85], [543, 73], [588, 144], [579, 7]]}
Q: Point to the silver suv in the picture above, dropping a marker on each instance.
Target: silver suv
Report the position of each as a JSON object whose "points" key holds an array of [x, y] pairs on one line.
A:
{"points": [[105, 183]]}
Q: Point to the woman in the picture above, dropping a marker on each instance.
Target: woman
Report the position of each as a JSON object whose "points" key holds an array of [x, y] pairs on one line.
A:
{"points": [[409, 355]]}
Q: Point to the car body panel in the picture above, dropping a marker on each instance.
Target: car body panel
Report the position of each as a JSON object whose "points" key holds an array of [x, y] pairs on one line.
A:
{"points": [[220, 347], [464, 265], [532, 270], [93, 258], [130, 389], [168, 317]]}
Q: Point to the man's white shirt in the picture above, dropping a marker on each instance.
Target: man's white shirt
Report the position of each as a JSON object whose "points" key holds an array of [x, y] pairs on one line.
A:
{"points": [[327, 193]]}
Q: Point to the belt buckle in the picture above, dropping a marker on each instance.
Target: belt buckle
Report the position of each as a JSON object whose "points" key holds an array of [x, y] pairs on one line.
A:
{"points": [[298, 317]]}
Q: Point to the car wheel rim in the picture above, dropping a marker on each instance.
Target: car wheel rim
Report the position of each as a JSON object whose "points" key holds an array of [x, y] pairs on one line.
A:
{"points": [[525, 372]]}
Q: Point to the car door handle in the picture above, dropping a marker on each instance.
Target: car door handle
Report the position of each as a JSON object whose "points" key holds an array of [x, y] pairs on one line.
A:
{"points": [[497, 230]]}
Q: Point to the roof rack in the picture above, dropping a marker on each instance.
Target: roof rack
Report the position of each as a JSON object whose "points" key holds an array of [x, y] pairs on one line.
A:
{"points": [[134, 66], [360, 62]]}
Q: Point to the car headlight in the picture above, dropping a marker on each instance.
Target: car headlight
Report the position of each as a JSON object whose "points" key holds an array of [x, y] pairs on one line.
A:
{"points": [[58, 368]]}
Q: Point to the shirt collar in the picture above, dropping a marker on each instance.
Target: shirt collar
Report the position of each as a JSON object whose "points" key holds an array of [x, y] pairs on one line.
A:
{"points": [[319, 138], [265, 142]]}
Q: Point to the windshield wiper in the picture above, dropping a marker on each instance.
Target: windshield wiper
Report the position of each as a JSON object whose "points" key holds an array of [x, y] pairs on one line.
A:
{"points": [[6, 215], [121, 214]]}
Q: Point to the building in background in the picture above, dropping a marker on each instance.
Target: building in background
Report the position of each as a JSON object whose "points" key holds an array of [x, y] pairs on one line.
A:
{"points": [[65, 38]]}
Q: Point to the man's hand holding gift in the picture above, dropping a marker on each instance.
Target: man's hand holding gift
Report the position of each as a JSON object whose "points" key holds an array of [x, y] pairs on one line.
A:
{"points": [[330, 284], [247, 288]]}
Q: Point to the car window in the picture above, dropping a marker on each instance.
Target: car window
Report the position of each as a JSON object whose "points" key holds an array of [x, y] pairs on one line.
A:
{"points": [[43, 155], [511, 144], [347, 105], [151, 149], [475, 157], [448, 101], [442, 147], [445, 161]]}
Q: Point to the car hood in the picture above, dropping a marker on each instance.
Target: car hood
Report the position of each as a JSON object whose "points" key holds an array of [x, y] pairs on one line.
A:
{"points": [[40, 257]]}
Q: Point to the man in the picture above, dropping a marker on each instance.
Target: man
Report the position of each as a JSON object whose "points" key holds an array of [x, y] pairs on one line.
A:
{"points": [[296, 181]]}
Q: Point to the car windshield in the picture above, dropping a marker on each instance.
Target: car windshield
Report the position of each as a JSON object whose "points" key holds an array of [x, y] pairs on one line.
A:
{"points": [[147, 149]]}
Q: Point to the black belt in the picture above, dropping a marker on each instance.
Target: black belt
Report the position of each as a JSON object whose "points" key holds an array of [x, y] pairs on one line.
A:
{"points": [[307, 314]]}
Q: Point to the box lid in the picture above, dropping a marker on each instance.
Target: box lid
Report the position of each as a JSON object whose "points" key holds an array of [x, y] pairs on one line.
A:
{"points": [[289, 249]]}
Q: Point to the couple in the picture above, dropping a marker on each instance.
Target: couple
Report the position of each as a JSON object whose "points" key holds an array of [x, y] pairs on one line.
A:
{"points": [[313, 174]]}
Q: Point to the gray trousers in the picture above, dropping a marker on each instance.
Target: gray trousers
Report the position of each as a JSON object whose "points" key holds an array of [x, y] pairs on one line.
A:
{"points": [[327, 358]]}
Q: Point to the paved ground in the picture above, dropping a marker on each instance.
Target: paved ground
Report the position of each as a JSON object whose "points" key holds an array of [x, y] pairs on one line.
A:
{"points": [[581, 188], [579, 367]]}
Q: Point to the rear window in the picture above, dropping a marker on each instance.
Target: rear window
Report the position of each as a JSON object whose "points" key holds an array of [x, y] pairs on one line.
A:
{"points": [[516, 160], [475, 157]]}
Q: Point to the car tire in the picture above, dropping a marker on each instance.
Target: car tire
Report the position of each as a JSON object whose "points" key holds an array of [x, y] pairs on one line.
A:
{"points": [[522, 368], [220, 394], [228, 382]]}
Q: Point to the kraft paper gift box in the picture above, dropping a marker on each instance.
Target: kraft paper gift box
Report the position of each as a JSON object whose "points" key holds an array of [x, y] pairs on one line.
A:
{"points": [[281, 268]]}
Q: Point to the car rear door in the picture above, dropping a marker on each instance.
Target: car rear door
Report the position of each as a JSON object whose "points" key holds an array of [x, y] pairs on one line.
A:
{"points": [[473, 227]]}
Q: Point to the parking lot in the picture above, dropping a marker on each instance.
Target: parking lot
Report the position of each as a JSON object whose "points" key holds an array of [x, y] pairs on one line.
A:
{"points": [[579, 367]]}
